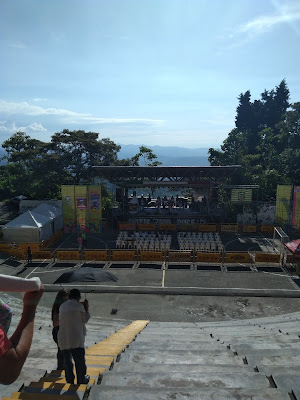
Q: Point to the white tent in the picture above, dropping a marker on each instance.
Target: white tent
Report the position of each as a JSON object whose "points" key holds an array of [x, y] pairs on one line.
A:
{"points": [[54, 213], [29, 227]]}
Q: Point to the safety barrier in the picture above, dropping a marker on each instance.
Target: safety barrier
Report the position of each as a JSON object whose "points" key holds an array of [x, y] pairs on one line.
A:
{"points": [[145, 255], [267, 258], [179, 256], [123, 255], [96, 255], [68, 255], [208, 257], [237, 258], [42, 255], [196, 227]]}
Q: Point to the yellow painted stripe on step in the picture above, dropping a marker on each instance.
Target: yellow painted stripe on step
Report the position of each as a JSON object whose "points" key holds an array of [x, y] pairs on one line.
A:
{"points": [[101, 345], [103, 352], [92, 371], [99, 360], [59, 379], [39, 396], [58, 386]]}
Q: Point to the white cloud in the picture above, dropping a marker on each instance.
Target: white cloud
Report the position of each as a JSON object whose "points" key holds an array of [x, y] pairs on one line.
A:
{"points": [[38, 99], [24, 108], [283, 14], [16, 45], [12, 127]]}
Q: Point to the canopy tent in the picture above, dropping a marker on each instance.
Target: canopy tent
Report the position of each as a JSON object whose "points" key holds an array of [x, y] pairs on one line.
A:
{"points": [[294, 246], [30, 227], [54, 213]]}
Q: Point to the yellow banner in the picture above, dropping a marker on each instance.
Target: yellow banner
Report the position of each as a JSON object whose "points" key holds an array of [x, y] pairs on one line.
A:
{"points": [[262, 257], [123, 255], [208, 257], [238, 257], [67, 255], [33, 246], [123, 226], [188, 227], [207, 228], [68, 207], [167, 227], [95, 208], [229, 227], [283, 199], [296, 208], [81, 203], [40, 255], [180, 256], [18, 253], [147, 227], [267, 228], [151, 255], [249, 228], [100, 255], [5, 247]]}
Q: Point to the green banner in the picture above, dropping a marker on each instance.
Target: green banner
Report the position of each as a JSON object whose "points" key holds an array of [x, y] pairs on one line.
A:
{"points": [[241, 195]]}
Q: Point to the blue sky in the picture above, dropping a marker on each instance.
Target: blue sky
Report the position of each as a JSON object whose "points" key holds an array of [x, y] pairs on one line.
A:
{"points": [[152, 72]]}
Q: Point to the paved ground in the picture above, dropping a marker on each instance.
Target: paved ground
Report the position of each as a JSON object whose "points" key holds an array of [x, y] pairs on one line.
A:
{"points": [[184, 307]]}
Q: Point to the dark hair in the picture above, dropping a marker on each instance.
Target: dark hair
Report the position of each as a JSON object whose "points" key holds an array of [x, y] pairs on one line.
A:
{"points": [[74, 294], [59, 299]]}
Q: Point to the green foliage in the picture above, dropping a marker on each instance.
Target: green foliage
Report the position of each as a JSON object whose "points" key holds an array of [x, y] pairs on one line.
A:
{"points": [[147, 156], [265, 142], [37, 169]]}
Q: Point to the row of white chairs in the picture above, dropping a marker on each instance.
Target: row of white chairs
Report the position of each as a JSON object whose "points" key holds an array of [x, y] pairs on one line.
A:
{"points": [[203, 246]]}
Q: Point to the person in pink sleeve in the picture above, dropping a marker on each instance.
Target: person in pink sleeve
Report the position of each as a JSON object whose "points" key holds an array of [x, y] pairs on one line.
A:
{"points": [[14, 350]]}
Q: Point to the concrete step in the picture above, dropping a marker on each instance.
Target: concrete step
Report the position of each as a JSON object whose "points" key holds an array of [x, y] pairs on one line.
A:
{"points": [[280, 360], [287, 352], [44, 388], [192, 381], [287, 381], [240, 348], [184, 369], [176, 345], [181, 357], [134, 393]]}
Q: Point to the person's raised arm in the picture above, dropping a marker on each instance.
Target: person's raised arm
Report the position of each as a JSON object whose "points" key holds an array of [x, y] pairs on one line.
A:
{"points": [[12, 361]]}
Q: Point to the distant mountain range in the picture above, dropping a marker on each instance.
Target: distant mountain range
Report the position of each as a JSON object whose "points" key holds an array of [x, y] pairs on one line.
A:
{"points": [[170, 156]]}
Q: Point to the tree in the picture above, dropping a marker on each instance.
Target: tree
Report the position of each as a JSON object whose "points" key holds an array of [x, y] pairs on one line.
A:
{"points": [[265, 141], [79, 151], [147, 156]]}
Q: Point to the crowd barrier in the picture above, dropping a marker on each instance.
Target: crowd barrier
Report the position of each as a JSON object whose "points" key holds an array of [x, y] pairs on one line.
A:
{"points": [[148, 255], [195, 227]]}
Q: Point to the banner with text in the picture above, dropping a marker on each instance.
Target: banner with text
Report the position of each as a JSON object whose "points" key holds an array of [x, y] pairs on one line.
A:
{"points": [[95, 208], [296, 208], [68, 207], [283, 198]]}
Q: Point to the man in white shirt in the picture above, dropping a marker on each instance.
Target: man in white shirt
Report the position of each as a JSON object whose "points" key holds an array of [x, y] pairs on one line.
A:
{"points": [[73, 316]]}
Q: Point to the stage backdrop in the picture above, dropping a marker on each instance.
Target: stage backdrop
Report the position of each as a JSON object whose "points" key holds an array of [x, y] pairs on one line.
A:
{"points": [[82, 208]]}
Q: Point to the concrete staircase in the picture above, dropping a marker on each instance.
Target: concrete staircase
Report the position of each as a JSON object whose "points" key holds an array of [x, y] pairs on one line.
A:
{"points": [[233, 360], [255, 359], [106, 339]]}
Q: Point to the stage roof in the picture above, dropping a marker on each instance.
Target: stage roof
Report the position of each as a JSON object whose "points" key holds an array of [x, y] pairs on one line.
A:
{"points": [[166, 176]]}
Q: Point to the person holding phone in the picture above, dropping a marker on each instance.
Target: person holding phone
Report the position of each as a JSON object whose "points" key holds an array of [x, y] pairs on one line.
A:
{"points": [[73, 315]]}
